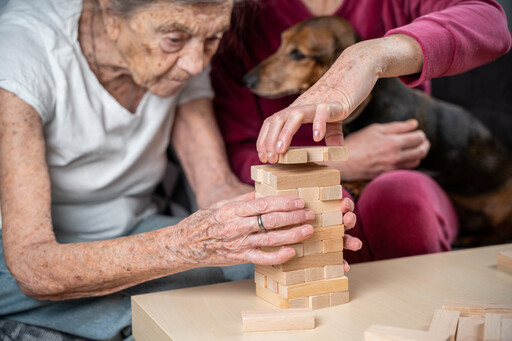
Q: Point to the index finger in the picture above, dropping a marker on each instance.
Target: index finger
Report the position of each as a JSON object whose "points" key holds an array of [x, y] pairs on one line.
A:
{"points": [[267, 205]]}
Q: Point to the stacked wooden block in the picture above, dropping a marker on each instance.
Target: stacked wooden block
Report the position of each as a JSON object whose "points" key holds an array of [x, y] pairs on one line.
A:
{"points": [[314, 278]]}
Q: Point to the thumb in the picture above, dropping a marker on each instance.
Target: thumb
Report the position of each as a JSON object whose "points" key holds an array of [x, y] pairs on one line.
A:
{"points": [[334, 134]]}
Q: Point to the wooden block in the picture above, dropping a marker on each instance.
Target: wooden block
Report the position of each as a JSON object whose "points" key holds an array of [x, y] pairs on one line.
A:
{"points": [[332, 245], [309, 193], [470, 328], [506, 329], [260, 279], [335, 154], [311, 261], [445, 321], [272, 298], [311, 248], [293, 156], [324, 206], [271, 284], [268, 191], [314, 274], [334, 271], [477, 309], [286, 278], [320, 301], [314, 288], [331, 192], [492, 327], [299, 302], [505, 260], [316, 153], [385, 333], [339, 298], [257, 195], [310, 175], [326, 232], [332, 218], [257, 173], [275, 319], [317, 222]]}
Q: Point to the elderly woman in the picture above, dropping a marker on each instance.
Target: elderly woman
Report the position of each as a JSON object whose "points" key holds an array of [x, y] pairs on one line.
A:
{"points": [[88, 96]]}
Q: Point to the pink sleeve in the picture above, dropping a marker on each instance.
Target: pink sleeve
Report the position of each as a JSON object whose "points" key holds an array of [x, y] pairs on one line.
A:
{"points": [[238, 117], [455, 36]]}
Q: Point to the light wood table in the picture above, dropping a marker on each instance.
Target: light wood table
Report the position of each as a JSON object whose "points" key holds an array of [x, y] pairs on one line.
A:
{"points": [[402, 292]]}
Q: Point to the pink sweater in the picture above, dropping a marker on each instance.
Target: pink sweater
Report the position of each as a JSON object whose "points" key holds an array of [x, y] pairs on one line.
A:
{"points": [[455, 36]]}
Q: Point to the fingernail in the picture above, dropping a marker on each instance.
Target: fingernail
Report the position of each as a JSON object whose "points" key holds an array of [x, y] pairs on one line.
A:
{"points": [[316, 135], [299, 203], [279, 146], [310, 215], [270, 157], [359, 245], [260, 156], [307, 230]]}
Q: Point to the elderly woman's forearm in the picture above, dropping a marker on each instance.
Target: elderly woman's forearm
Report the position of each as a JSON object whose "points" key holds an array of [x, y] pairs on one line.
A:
{"points": [[53, 271]]}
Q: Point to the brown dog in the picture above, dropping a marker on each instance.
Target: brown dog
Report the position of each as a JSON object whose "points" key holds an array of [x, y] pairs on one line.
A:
{"points": [[472, 165]]}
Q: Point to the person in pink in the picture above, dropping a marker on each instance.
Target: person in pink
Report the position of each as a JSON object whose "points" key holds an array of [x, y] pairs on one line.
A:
{"points": [[401, 212]]}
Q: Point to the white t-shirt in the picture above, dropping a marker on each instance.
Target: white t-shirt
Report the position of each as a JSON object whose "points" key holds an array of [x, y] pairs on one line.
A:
{"points": [[104, 161]]}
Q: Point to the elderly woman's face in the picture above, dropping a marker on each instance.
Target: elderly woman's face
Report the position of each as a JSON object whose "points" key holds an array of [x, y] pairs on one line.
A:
{"points": [[167, 43]]}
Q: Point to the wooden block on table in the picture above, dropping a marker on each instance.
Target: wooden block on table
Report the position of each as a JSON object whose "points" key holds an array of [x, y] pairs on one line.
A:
{"points": [[272, 298], [324, 206], [293, 156], [332, 245], [470, 328], [314, 288], [320, 301], [309, 193], [492, 327], [326, 232], [334, 271], [386, 333], [299, 302], [310, 175], [311, 248], [445, 321], [339, 298], [314, 274], [331, 192], [260, 279], [286, 278], [505, 260], [506, 329], [332, 218], [311, 261], [276, 319], [268, 191], [477, 309]]}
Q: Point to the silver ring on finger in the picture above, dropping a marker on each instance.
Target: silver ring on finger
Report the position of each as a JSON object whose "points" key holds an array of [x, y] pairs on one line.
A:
{"points": [[260, 223]]}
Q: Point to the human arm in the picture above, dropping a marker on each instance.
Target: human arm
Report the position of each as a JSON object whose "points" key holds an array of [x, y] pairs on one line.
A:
{"points": [[459, 40], [45, 269], [198, 143]]}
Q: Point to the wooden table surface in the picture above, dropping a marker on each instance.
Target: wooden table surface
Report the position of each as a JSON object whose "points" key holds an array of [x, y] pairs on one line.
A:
{"points": [[402, 292]]}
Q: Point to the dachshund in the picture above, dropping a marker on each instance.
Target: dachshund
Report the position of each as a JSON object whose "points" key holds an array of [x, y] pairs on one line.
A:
{"points": [[469, 163]]}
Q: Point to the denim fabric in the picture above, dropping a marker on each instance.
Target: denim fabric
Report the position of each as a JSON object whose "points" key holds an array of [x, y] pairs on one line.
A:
{"points": [[99, 318]]}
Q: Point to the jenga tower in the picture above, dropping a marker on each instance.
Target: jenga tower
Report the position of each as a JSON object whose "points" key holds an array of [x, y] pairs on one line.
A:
{"points": [[314, 278]]}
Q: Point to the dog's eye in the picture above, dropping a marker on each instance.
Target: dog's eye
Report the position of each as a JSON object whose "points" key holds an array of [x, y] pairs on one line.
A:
{"points": [[297, 55]]}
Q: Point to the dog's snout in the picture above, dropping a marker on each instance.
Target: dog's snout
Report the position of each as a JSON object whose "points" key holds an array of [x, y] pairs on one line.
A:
{"points": [[251, 80]]}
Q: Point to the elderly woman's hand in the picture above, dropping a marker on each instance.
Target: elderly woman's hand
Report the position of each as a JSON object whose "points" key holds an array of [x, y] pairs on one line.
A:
{"points": [[339, 92], [228, 232]]}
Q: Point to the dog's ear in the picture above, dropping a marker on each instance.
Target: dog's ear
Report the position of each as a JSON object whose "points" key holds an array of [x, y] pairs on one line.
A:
{"points": [[343, 36]]}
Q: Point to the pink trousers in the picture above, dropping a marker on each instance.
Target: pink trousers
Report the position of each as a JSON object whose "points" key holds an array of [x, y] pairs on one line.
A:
{"points": [[402, 213]]}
